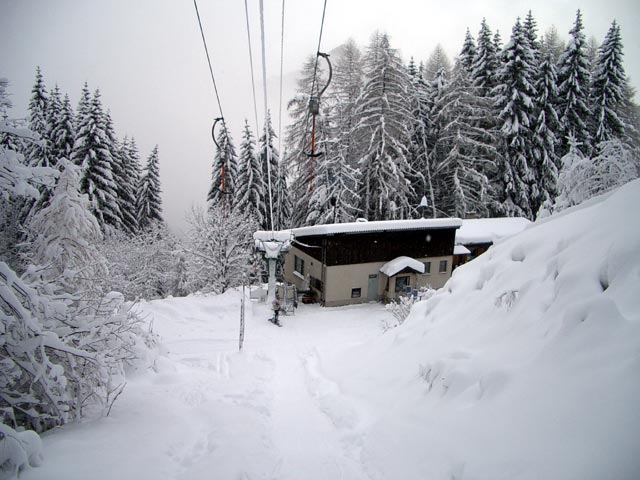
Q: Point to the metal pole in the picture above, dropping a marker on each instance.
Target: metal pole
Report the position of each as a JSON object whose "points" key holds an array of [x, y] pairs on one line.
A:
{"points": [[241, 340]]}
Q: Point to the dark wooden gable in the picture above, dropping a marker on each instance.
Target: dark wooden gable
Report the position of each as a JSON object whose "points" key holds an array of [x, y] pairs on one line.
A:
{"points": [[351, 248]]}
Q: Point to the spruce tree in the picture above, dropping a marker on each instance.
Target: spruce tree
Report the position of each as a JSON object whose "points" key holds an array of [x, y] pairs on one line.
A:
{"points": [[131, 158], [420, 93], [530, 28], [225, 171], [53, 113], [63, 132], [92, 151], [249, 194], [269, 158], [551, 44], [573, 91], [463, 152], [84, 106], [383, 134], [37, 154], [298, 140], [608, 89], [438, 61], [340, 163], [283, 206], [514, 99], [485, 63], [128, 175], [148, 200], [468, 52], [546, 163]]}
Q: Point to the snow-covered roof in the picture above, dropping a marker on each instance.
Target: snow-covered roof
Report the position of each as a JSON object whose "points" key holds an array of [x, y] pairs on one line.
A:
{"points": [[378, 226], [398, 264], [272, 235], [488, 230], [461, 250], [272, 243]]}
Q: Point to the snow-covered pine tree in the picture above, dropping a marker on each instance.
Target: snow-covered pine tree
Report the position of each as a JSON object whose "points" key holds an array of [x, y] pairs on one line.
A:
{"points": [[63, 132], [269, 160], [463, 153], [486, 62], [127, 217], [128, 177], [608, 89], [383, 134], [592, 48], [332, 196], [422, 94], [497, 43], [224, 172], [283, 207], [84, 107], [545, 161], [36, 152], [250, 186], [149, 203], [514, 99], [573, 90], [54, 111], [530, 28], [19, 182], [468, 52], [298, 137], [438, 61], [333, 200], [338, 183], [552, 44], [92, 152]]}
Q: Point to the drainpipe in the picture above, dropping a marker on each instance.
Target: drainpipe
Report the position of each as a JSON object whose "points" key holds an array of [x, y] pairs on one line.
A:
{"points": [[324, 272]]}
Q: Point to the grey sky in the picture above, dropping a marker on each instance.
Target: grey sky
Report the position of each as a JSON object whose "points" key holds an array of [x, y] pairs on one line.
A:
{"points": [[148, 60]]}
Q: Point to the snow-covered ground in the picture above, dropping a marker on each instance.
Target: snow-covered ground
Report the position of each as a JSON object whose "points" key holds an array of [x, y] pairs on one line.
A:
{"points": [[524, 366]]}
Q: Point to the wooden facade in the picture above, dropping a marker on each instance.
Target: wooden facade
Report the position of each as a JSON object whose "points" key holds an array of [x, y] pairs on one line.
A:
{"points": [[353, 248]]}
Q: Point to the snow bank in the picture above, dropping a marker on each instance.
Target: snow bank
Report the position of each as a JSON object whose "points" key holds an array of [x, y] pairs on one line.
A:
{"points": [[525, 365]]}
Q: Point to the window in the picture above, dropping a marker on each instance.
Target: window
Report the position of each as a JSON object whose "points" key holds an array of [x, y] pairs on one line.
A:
{"points": [[443, 266], [315, 283], [427, 268], [402, 283], [356, 292], [299, 265]]}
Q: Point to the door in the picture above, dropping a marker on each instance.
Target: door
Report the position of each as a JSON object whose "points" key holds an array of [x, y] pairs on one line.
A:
{"points": [[372, 288]]}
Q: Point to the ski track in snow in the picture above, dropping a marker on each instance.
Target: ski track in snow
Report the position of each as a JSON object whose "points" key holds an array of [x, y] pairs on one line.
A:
{"points": [[209, 411]]}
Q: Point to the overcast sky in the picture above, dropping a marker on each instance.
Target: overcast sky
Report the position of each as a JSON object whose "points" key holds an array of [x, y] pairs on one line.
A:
{"points": [[147, 58]]}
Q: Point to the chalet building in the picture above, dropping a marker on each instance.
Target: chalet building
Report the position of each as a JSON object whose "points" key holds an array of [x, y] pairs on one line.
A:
{"points": [[369, 261]]}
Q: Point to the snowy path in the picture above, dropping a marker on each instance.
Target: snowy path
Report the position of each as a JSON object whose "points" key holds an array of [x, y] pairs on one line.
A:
{"points": [[208, 411]]}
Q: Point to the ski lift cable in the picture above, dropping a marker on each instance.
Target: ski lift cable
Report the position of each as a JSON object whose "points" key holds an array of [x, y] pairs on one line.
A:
{"points": [[253, 82], [281, 67], [266, 112], [204, 41], [315, 69]]}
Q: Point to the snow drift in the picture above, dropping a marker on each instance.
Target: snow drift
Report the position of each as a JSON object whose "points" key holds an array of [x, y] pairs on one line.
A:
{"points": [[525, 365]]}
